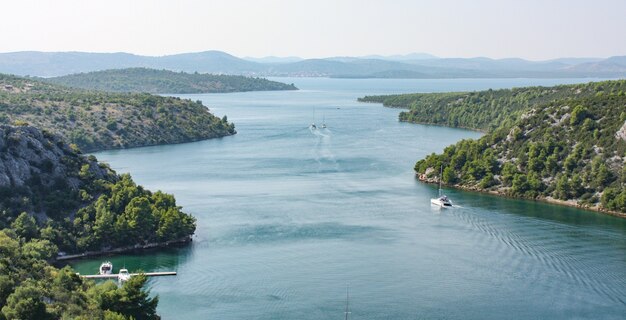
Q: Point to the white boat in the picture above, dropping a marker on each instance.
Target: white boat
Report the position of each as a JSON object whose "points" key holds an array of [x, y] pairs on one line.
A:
{"points": [[323, 122], [313, 126], [123, 276], [442, 200], [106, 268]]}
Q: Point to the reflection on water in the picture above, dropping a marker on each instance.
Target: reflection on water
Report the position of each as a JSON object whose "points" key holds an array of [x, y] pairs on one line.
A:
{"points": [[287, 216]]}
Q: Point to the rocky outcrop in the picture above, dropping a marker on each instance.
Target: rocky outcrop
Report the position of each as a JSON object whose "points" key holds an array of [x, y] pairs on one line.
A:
{"points": [[33, 162], [621, 133]]}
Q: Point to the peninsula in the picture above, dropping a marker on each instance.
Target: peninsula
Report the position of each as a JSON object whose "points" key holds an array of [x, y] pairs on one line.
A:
{"points": [[95, 120], [563, 144], [53, 199], [164, 81]]}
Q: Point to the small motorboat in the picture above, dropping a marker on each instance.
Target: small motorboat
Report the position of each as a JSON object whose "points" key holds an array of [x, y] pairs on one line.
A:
{"points": [[106, 268], [123, 276]]}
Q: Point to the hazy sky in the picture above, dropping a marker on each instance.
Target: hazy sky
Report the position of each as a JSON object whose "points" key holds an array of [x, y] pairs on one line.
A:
{"points": [[319, 28]]}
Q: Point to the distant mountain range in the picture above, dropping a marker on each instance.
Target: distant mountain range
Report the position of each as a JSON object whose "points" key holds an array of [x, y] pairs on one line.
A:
{"points": [[417, 65]]}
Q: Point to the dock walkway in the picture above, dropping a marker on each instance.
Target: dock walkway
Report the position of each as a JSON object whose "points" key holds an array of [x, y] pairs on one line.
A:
{"points": [[115, 275]]}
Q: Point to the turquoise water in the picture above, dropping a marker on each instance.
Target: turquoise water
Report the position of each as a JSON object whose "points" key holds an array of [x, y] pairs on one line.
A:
{"points": [[287, 217]]}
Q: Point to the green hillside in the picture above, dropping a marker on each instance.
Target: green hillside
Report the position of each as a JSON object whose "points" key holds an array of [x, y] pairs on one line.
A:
{"points": [[564, 144], [484, 110], [95, 120], [50, 191], [164, 81], [54, 199]]}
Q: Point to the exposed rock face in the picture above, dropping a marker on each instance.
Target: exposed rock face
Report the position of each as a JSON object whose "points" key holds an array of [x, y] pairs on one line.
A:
{"points": [[621, 133], [32, 161]]}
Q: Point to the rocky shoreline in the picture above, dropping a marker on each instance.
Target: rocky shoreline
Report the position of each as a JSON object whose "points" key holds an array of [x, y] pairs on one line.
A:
{"points": [[138, 247], [571, 203]]}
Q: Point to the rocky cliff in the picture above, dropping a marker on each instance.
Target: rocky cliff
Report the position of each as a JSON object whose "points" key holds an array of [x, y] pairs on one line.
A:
{"points": [[36, 166]]}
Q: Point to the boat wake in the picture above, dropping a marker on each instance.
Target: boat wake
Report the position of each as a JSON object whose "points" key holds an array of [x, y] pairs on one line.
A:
{"points": [[322, 151]]}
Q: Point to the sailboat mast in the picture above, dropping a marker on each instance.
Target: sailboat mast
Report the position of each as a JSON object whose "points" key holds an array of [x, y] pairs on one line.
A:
{"points": [[347, 302], [440, 179]]}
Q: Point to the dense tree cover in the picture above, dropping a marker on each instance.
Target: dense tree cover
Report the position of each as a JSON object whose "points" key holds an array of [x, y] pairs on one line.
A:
{"points": [[164, 81], [30, 288], [79, 204], [569, 149], [485, 110], [95, 120]]}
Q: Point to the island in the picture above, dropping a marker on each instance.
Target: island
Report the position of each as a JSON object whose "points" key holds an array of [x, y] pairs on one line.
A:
{"points": [[97, 120], [165, 81], [564, 144], [56, 201]]}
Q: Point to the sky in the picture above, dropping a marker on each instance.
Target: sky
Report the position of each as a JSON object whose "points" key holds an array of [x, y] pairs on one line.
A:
{"points": [[530, 29]]}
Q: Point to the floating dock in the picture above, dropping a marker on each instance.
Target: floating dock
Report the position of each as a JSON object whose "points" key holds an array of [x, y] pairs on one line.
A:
{"points": [[115, 275]]}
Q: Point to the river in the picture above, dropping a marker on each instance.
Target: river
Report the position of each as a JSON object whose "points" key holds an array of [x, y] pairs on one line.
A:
{"points": [[288, 217]]}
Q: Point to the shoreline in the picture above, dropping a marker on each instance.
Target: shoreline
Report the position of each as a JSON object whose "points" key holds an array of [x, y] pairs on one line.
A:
{"points": [[563, 203], [89, 151], [137, 247], [422, 123], [443, 125]]}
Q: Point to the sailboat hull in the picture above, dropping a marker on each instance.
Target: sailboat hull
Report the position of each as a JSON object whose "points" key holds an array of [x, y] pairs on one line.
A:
{"points": [[441, 202]]}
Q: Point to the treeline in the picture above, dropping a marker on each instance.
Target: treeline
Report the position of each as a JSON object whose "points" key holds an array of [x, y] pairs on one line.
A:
{"points": [[570, 148], [54, 199], [30, 288], [95, 120], [49, 191], [485, 110], [164, 81]]}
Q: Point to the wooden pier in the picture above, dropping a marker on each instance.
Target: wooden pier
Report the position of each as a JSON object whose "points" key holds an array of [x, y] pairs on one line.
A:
{"points": [[115, 275]]}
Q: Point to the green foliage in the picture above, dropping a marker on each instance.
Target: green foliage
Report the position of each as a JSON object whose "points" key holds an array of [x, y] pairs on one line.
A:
{"points": [[95, 120], [490, 109], [547, 150], [129, 300], [25, 226], [164, 81], [30, 288], [85, 205], [578, 115], [26, 303]]}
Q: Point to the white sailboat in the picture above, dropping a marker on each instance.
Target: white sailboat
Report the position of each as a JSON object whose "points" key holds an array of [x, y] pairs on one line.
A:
{"points": [[323, 122], [442, 200], [313, 126]]}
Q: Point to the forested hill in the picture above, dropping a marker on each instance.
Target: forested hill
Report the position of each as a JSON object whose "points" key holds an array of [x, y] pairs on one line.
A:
{"points": [[48, 190], [570, 149], [163, 81], [96, 120], [53, 198], [485, 110]]}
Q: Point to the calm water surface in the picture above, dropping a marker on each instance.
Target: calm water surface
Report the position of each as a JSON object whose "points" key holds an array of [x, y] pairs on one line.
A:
{"points": [[287, 217]]}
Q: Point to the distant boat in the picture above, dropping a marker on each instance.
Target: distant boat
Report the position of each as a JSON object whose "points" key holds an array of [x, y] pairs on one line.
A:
{"points": [[442, 200], [313, 126], [106, 268], [323, 122]]}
